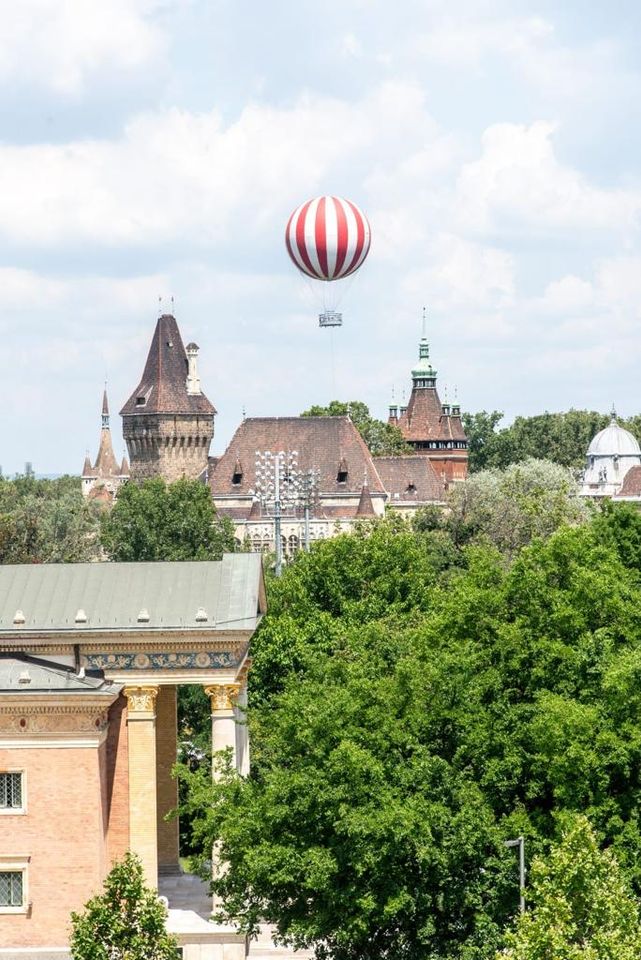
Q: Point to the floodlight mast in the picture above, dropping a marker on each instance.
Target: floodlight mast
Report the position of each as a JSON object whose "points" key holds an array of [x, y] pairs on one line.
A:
{"points": [[520, 843]]}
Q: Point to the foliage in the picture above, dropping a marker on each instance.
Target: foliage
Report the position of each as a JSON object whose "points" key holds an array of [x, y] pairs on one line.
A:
{"points": [[154, 520], [509, 508], [582, 907], [383, 439], [560, 437], [125, 922], [411, 709], [46, 521]]}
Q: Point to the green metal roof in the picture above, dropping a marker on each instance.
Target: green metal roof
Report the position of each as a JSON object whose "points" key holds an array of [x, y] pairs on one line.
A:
{"points": [[20, 673], [54, 598]]}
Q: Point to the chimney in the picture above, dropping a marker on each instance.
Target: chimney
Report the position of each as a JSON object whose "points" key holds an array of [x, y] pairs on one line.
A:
{"points": [[193, 380]]}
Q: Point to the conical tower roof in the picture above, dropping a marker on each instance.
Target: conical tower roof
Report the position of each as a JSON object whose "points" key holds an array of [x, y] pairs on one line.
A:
{"points": [[163, 387], [365, 505]]}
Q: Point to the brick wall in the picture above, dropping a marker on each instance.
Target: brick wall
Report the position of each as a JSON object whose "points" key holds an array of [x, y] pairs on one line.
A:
{"points": [[62, 832]]}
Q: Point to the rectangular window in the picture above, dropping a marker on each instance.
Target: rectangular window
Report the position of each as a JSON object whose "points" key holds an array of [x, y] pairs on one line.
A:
{"points": [[11, 888], [11, 791]]}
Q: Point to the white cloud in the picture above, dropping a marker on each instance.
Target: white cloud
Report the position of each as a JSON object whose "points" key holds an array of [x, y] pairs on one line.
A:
{"points": [[519, 184], [60, 43]]}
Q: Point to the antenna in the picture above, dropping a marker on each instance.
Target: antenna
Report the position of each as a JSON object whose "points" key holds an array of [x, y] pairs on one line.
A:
{"points": [[172, 304], [424, 327], [159, 305]]}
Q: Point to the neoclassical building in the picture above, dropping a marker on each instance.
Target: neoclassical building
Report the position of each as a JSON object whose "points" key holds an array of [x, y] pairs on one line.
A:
{"points": [[613, 453], [91, 657]]}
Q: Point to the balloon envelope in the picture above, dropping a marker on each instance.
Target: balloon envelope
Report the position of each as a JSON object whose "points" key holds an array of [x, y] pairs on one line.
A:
{"points": [[328, 238]]}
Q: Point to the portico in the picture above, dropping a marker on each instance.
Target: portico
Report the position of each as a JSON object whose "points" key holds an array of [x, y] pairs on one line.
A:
{"points": [[142, 630]]}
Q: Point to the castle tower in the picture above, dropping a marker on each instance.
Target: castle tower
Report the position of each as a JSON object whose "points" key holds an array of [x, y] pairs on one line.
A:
{"points": [[168, 422], [432, 428], [103, 479]]}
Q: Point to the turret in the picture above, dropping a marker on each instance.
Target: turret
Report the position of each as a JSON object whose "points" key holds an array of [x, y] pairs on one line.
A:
{"points": [[168, 422]]}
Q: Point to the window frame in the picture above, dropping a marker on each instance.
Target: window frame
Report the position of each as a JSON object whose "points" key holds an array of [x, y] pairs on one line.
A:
{"points": [[16, 863], [22, 809]]}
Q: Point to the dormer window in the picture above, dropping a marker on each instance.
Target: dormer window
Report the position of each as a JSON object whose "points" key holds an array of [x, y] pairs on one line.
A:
{"points": [[237, 475], [141, 401], [411, 487], [341, 476]]}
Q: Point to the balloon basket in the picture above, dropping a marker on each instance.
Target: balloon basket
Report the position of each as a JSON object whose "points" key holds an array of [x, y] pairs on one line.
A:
{"points": [[330, 318]]}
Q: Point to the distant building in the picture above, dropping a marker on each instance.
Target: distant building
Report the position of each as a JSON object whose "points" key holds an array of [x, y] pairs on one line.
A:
{"points": [[612, 456], [102, 480], [432, 428], [168, 422], [351, 484]]}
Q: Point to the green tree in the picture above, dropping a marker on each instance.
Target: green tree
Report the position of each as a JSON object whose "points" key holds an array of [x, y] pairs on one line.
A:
{"points": [[47, 521], [125, 922], [154, 520], [581, 905], [407, 715], [483, 438], [510, 507], [382, 439]]}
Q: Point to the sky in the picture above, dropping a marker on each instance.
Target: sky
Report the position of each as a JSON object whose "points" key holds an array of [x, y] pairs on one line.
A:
{"points": [[155, 148]]}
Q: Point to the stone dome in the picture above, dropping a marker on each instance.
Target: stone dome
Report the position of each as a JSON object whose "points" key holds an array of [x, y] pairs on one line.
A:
{"points": [[614, 441]]}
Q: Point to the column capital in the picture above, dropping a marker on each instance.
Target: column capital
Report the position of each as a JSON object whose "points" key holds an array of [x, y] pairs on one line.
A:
{"points": [[141, 701], [222, 696]]}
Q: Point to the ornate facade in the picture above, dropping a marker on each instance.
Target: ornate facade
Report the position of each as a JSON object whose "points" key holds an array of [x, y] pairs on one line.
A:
{"points": [[88, 732], [168, 422]]}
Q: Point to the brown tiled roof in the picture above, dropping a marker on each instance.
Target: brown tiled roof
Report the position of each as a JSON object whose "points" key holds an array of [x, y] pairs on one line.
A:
{"points": [[424, 418], [400, 474], [164, 380], [87, 470], [631, 486], [326, 443], [365, 505], [106, 465], [124, 469]]}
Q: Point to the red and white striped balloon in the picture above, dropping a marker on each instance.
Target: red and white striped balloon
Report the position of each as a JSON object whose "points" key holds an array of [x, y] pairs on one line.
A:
{"points": [[328, 238]]}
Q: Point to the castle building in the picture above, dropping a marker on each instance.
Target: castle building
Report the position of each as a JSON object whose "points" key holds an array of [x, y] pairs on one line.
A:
{"points": [[168, 422], [432, 428], [102, 480], [613, 464], [349, 484], [91, 657]]}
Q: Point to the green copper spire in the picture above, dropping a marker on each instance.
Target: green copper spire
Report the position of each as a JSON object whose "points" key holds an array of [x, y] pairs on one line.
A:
{"points": [[424, 371]]}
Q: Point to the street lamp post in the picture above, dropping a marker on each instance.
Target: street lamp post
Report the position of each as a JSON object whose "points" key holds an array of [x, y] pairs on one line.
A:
{"points": [[520, 843], [277, 484]]}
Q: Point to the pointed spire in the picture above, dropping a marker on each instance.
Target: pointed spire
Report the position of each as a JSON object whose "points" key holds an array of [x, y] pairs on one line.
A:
{"points": [[105, 409], [124, 467], [423, 374], [365, 505], [613, 414], [87, 470], [254, 513]]}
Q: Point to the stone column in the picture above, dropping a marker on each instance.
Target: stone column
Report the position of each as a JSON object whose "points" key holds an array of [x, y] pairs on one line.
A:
{"points": [[223, 735], [223, 716], [141, 740], [167, 786]]}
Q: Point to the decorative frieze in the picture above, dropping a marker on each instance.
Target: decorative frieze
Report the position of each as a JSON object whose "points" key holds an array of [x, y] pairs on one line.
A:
{"points": [[28, 719], [222, 696], [189, 660]]}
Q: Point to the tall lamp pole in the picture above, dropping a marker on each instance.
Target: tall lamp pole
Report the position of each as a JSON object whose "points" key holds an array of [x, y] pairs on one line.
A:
{"points": [[276, 482], [520, 843]]}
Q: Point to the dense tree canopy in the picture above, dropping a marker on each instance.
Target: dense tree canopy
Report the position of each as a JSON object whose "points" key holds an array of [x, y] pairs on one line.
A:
{"points": [[46, 521], [560, 437], [159, 521], [414, 704], [383, 439], [511, 507], [581, 907]]}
